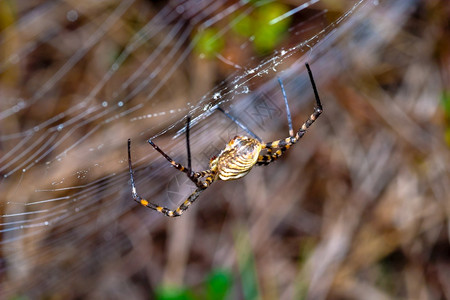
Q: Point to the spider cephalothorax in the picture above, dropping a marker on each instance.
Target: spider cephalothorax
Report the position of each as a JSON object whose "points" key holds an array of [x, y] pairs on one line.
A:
{"points": [[235, 161]]}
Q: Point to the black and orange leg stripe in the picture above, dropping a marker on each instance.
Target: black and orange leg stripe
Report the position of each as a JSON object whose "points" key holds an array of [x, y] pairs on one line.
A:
{"points": [[285, 144], [192, 175], [164, 210], [317, 108], [202, 173], [280, 146], [271, 156]]}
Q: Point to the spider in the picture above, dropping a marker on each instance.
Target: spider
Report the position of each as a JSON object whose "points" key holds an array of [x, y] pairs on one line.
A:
{"points": [[235, 161]]}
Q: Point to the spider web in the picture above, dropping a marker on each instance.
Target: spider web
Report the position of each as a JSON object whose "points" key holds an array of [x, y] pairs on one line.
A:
{"points": [[138, 72]]}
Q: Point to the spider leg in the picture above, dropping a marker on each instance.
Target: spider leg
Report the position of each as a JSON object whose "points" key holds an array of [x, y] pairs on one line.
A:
{"points": [[281, 145], [188, 145], [202, 173], [188, 150], [316, 93], [192, 175], [288, 111], [164, 210], [284, 144], [237, 122]]}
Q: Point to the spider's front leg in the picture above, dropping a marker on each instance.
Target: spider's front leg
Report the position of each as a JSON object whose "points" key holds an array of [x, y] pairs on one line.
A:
{"points": [[279, 146], [283, 145]]}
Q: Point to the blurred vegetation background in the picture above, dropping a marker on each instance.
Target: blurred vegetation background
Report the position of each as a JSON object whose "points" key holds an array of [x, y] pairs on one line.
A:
{"points": [[359, 209]]}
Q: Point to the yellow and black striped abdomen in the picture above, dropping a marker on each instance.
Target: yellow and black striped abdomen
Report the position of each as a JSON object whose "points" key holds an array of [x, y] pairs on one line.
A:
{"points": [[238, 158]]}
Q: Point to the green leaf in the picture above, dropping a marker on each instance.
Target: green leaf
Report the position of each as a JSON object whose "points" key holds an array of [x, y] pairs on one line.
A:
{"points": [[447, 136], [243, 25], [209, 42], [7, 14], [218, 284], [174, 293], [246, 264], [258, 25], [445, 101], [268, 35]]}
